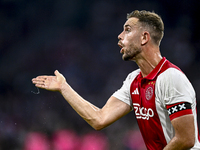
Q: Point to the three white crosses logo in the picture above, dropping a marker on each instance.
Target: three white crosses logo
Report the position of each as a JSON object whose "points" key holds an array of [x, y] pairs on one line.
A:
{"points": [[176, 108]]}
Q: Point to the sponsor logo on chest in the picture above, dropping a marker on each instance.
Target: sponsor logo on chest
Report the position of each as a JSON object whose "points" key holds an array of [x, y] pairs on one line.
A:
{"points": [[142, 112], [143, 98]]}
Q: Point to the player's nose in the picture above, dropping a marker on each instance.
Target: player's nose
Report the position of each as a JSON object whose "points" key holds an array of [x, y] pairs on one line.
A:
{"points": [[120, 36]]}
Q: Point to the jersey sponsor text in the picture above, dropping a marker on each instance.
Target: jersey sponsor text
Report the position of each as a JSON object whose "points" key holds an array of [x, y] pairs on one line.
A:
{"points": [[142, 113]]}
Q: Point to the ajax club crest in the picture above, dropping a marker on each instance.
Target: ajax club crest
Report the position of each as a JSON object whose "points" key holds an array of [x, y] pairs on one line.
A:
{"points": [[149, 91]]}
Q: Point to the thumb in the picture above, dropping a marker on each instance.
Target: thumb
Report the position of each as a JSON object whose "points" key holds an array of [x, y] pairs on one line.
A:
{"points": [[59, 75], [56, 72]]}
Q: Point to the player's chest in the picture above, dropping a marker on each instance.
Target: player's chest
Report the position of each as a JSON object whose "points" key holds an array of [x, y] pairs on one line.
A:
{"points": [[143, 93], [143, 98]]}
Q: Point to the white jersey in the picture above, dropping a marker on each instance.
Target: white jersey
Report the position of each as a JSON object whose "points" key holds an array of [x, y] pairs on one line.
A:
{"points": [[163, 95]]}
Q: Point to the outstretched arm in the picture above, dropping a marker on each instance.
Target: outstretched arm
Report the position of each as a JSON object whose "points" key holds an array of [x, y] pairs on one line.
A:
{"points": [[96, 117]]}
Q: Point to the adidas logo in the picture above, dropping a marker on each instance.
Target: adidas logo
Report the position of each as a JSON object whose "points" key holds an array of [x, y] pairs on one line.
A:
{"points": [[135, 92]]}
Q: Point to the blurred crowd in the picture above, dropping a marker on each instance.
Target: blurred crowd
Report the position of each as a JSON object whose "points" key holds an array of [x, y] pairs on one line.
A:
{"points": [[79, 38]]}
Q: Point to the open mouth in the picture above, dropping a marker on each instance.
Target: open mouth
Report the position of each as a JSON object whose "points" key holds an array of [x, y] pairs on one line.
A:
{"points": [[121, 46]]}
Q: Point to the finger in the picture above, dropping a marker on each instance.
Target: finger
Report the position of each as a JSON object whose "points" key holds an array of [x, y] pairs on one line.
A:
{"points": [[42, 77], [41, 83], [43, 86], [56, 72], [38, 80], [38, 83]]}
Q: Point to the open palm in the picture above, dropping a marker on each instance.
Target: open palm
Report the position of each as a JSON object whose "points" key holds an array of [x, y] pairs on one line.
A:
{"points": [[52, 83]]}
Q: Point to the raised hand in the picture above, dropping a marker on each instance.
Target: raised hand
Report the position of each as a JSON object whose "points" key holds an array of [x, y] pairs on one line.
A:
{"points": [[52, 83]]}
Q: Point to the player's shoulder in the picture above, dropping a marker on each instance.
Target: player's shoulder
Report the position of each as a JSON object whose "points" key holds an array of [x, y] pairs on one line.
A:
{"points": [[172, 73], [133, 74], [173, 77]]}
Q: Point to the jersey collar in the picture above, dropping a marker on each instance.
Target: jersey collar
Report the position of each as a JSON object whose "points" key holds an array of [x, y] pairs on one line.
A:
{"points": [[156, 70]]}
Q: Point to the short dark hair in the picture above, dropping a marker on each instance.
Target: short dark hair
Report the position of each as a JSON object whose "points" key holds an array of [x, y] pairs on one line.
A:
{"points": [[152, 21]]}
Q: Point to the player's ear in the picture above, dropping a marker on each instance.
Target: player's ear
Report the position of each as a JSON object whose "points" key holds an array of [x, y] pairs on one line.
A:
{"points": [[145, 38]]}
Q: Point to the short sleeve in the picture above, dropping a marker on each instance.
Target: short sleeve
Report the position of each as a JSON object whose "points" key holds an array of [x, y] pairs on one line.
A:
{"points": [[172, 86], [123, 93]]}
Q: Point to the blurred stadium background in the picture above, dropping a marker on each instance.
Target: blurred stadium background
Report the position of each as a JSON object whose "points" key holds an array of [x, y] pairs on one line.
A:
{"points": [[79, 38]]}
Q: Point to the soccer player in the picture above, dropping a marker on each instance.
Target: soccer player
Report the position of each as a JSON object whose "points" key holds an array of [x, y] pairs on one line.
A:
{"points": [[159, 92]]}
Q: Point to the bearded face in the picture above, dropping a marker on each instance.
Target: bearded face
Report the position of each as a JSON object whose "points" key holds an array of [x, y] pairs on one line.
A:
{"points": [[131, 52], [129, 40]]}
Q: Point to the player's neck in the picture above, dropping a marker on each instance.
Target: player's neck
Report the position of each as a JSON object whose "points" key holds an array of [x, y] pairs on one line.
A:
{"points": [[148, 61]]}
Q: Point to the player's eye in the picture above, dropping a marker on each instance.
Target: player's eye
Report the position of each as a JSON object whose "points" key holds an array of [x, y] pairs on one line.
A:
{"points": [[127, 29]]}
